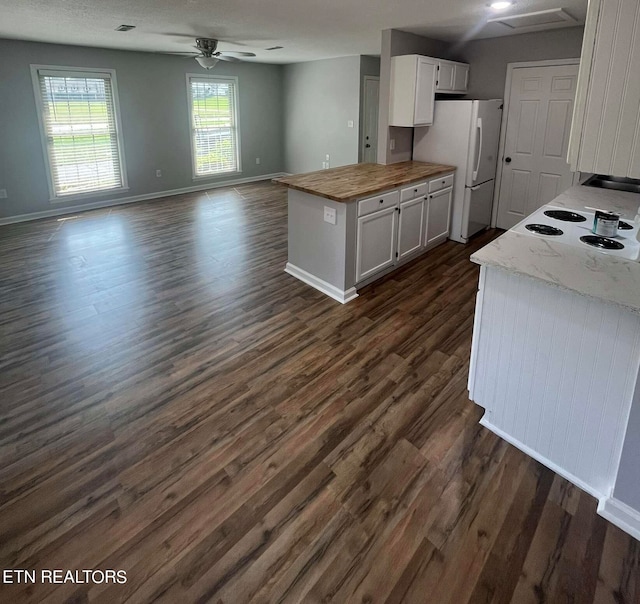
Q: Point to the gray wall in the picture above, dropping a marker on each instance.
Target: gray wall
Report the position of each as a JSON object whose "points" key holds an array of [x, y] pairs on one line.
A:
{"points": [[154, 111], [320, 97], [369, 66], [396, 43], [627, 487], [488, 58]]}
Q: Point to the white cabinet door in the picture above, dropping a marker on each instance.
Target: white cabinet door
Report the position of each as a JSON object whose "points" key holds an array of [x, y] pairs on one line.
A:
{"points": [[446, 70], [425, 91], [410, 227], [606, 120], [376, 242], [460, 77], [438, 213]]}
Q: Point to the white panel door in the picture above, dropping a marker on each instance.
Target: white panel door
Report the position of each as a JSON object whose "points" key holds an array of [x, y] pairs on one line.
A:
{"points": [[370, 122], [425, 86], [376, 242], [535, 168], [410, 227]]}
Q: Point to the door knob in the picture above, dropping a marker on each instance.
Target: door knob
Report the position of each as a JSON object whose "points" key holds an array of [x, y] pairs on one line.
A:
{"points": [[367, 145], [507, 160]]}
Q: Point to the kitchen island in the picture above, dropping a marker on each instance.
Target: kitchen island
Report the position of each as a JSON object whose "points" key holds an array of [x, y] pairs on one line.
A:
{"points": [[556, 352], [351, 225]]}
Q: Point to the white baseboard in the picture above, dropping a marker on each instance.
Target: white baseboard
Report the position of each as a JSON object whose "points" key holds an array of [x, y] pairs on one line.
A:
{"points": [[96, 205], [542, 459], [326, 288], [620, 514]]}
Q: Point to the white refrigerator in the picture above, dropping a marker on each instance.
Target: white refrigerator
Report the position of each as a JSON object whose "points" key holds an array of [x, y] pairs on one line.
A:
{"points": [[465, 134]]}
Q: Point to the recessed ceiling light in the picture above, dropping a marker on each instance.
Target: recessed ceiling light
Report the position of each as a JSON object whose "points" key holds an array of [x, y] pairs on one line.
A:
{"points": [[501, 5]]}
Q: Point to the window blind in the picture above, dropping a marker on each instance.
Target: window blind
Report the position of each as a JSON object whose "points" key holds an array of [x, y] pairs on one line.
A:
{"points": [[80, 129], [213, 125]]}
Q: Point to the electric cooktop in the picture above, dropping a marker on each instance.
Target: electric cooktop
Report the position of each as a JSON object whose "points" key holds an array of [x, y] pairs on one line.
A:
{"points": [[573, 227]]}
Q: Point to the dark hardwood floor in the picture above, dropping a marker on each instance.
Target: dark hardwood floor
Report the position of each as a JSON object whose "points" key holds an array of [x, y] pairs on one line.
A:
{"points": [[176, 406]]}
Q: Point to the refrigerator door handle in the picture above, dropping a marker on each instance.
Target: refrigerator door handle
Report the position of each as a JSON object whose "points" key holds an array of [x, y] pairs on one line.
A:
{"points": [[479, 126]]}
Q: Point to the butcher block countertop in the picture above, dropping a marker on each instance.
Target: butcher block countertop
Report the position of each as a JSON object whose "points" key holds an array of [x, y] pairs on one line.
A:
{"points": [[361, 180]]}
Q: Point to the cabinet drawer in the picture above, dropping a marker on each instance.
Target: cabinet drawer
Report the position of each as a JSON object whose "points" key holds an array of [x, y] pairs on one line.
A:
{"points": [[418, 189], [437, 184], [380, 202]]}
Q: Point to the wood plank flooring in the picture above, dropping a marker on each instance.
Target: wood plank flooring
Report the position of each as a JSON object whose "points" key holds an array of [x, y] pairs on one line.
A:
{"points": [[176, 406]]}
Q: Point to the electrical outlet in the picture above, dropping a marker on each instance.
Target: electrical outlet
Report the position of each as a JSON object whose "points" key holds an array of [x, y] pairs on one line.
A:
{"points": [[257, 161], [3, 193], [350, 124], [327, 157], [330, 215], [158, 173], [392, 144], [324, 165]]}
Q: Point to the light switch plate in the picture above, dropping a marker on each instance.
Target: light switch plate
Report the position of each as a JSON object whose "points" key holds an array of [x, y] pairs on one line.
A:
{"points": [[330, 215]]}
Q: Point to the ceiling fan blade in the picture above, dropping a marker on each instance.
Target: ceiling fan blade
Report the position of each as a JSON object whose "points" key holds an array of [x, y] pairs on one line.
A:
{"points": [[239, 53], [224, 58]]}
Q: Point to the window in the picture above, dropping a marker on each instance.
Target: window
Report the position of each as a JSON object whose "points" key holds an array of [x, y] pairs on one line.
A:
{"points": [[214, 125], [80, 130]]}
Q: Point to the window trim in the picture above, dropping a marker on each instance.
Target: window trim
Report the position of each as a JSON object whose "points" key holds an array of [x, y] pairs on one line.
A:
{"points": [[234, 80], [87, 72]]}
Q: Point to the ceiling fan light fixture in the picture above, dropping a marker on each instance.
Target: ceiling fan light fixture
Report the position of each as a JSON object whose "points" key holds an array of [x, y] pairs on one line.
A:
{"points": [[207, 62]]}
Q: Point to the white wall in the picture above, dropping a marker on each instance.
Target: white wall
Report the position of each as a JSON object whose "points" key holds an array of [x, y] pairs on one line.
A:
{"points": [[627, 488], [320, 98]]}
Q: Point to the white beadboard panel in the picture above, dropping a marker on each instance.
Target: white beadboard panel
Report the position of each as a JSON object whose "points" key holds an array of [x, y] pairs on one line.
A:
{"points": [[626, 157], [556, 371], [612, 115]]}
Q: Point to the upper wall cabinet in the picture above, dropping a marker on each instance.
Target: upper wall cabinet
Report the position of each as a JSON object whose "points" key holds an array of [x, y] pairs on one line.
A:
{"points": [[413, 84], [452, 77], [605, 133]]}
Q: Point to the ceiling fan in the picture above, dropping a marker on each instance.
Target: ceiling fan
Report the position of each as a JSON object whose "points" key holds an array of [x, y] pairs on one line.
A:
{"points": [[208, 57]]}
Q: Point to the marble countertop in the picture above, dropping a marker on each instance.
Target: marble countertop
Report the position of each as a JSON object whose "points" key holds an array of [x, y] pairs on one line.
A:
{"points": [[361, 180], [581, 270]]}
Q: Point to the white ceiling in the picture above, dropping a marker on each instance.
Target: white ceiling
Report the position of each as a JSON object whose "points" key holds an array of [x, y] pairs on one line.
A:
{"points": [[307, 30]]}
